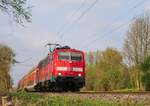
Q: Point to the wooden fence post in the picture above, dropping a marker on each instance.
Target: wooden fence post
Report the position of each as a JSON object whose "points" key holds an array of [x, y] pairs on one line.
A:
{"points": [[7, 101]]}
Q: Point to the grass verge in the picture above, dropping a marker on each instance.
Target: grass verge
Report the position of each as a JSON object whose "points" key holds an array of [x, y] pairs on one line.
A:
{"points": [[40, 99]]}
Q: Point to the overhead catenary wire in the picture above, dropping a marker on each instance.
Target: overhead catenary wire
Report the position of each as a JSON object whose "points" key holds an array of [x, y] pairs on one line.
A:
{"points": [[135, 6], [73, 14], [108, 33], [117, 18], [82, 15], [102, 37]]}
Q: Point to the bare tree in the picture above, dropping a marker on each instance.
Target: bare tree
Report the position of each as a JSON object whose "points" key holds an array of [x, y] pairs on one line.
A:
{"points": [[16, 8], [137, 42]]}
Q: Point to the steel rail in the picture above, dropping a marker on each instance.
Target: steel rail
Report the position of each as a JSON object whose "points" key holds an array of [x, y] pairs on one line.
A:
{"points": [[110, 92]]}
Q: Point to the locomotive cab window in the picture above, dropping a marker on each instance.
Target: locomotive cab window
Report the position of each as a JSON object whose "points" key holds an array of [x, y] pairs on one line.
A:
{"points": [[76, 56], [73, 56], [63, 56]]}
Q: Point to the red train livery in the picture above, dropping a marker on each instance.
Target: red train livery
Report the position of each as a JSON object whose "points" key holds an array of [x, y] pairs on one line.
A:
{"points": [[62, 70]]}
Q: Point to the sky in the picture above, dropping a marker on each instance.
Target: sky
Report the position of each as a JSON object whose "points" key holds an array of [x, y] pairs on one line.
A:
{"points": [[87, 25]]}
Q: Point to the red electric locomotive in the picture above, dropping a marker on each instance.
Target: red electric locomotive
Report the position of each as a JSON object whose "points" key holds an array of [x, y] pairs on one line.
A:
{"points": [[62, 70]]}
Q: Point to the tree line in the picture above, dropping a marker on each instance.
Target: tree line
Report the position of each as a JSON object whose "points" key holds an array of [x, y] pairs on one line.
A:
{"points": [[105, 71], [128, 69]]}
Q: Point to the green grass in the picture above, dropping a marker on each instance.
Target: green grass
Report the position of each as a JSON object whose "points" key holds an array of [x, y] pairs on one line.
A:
{"points": [[37, 99]]}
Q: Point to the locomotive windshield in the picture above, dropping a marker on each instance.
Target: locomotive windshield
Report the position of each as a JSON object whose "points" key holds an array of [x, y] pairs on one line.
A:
{"points": [[63, 56], [76, 56], [73, 56]]}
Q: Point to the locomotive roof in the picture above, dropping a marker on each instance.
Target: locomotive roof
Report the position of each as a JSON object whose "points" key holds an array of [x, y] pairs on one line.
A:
{"points": [[67, 48], [64, 47]]}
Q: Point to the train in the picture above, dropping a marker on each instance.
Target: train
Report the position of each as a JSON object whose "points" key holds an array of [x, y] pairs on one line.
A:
{"points": [[63, 69]]}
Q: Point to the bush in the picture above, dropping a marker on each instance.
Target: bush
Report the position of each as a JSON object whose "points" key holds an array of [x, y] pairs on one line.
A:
{"points": [[145, 67], [146, 81]]}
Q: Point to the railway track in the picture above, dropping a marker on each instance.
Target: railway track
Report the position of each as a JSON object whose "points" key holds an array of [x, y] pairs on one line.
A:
{"points": [[116, 97], [125, 93], [98, 93], [121, 97]]}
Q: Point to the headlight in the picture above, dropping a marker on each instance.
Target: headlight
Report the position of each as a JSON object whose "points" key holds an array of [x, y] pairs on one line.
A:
{"points": [[79, 75], [77, 69], [61, 68], [59, 74]]}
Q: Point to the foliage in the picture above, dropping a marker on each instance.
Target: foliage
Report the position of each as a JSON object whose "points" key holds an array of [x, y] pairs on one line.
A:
{"points": [[108, 73], [16, 8], [145, 67], [90, 77], [146, 81], [6, 59]]}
